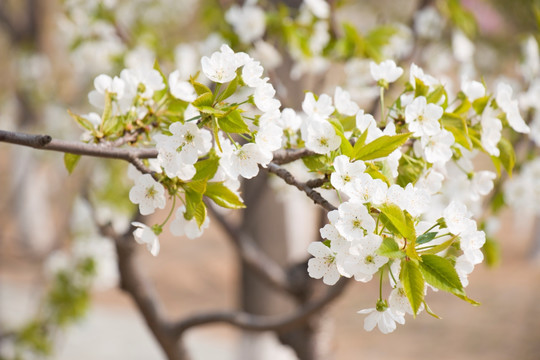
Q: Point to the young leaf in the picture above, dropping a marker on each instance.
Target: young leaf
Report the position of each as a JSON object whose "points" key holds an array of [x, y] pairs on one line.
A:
{"points": [[470, 301], [424, 238], [430, 312], [346, 147], [390, 249], [223, 196], [492, 252], [507, 155], [438, 248], [200, 88], [231, 88], [70, 161], [381, 147], [85, 123], [203, 100], [108, 121], [401, 220], [413, 284], [206, 169], [440, 273], [458, 127], [193, 200], [233, 123]]}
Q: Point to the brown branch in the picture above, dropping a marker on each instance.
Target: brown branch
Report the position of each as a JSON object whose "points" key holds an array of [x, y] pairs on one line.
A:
{"points": [[139, 290], [291, 180], [45, 142], [252, 255], [287, 156], [253, 322]]}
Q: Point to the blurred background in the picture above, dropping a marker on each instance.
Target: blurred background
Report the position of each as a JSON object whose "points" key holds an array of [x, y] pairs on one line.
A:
{"points": [[50, 53]]}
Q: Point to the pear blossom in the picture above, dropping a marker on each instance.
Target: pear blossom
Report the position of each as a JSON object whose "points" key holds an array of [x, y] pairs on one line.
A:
{"points": [[428, 23], [321, 108], [104, 83], [423, 118], [385, 318], [221, 66], [148, 193], [264, 97], [323, 265], [471, 243], [511, 108], [143, 80], [437, 148], [245, 161], [463, 268], [481, 184], [319, 37], [366, 189], [473, 89], [248, 22], [346, 172], [491, 131], [252, 73], [289, 121], [322, 137], [416, 72], [366, 122], [457, 218], [180, 226], [269, 138], [353, 220], [145, 235], [365, 261], [387, 71], [319, 8], [182, 90], [344, 104]]}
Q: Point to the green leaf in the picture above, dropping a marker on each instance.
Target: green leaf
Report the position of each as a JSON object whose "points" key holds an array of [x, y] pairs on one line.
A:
{"points": [[211, 111], [390, 249], [430, 312], [420, 89], [315, 162], [480, 104], [200, 214], [381, 147], [400, 219], [409, 170], [233, 123], [223, 196], [200, 88], [346, 147], [440, 273], [70, 161], [436, 95], [193, 201], [360, 142], [372, 170], [492, 252], [206, 169], [427, 237], [413, 284], [231, 88], [507, 155], [85, 123], [108, 121], [458, 127], [205, 99], [470, 301], [438, 248]]}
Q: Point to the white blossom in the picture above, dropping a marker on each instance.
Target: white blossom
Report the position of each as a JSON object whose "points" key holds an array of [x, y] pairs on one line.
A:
{"points": [[344, 104], [511, 108], [437, 148], [180, 226], [182, 90], [323, 265], [353, 220], [148, 193], [385, 319], [252, 73], [264, 97], [457, 218], [423, 118], [245, 161], [322, 137], [248, 22], [144, 235], [221, 66], [321, 108], [345, 172], [491, 131], [386, 71], [319, 8]]}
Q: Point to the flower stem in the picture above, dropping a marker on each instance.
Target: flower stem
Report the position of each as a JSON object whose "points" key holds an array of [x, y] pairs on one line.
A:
{"points": [[381, 272], [383, 119], [170, 212]]}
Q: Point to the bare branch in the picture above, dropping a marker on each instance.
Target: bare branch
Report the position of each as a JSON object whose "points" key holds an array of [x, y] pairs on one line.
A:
{"points": [[45, 142], [286, 156], [253, 322], [252, 255], [291, 180]]}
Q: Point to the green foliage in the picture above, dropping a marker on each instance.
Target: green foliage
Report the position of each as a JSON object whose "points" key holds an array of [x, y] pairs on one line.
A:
{"points": [[233, 123], [71, 161], [223, 196], [390, 249], [440, 273], [413, 283], [381, 147]]}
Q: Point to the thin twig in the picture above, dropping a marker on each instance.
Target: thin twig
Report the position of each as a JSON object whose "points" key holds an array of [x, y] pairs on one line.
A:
{"points": [[287, 156], [291, 180], [253, 322]]}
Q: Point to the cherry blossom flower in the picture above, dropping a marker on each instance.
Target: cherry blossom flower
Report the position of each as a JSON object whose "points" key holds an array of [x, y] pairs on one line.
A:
{"points": [[365, 261], [264, 97], [387, 71], [322, 137], [180, 226], [457, 218], [511, 108], [248, 22], [354, 220], [366, 189], [245, 161], [491, 131], [428, 23], [143, 80], [221, 66], [269, 138], [148, 193], [321, 108], [323, 265], [252, 73], [182, 90], [344, 104], [473, 89], [398, 301], [346, 172], [423, 118], [144, 235], [191, 142], [385, 318], [437, 148]]}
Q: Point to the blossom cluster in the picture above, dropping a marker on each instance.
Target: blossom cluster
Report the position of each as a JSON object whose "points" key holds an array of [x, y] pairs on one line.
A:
{"points": [[391, 174]]}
